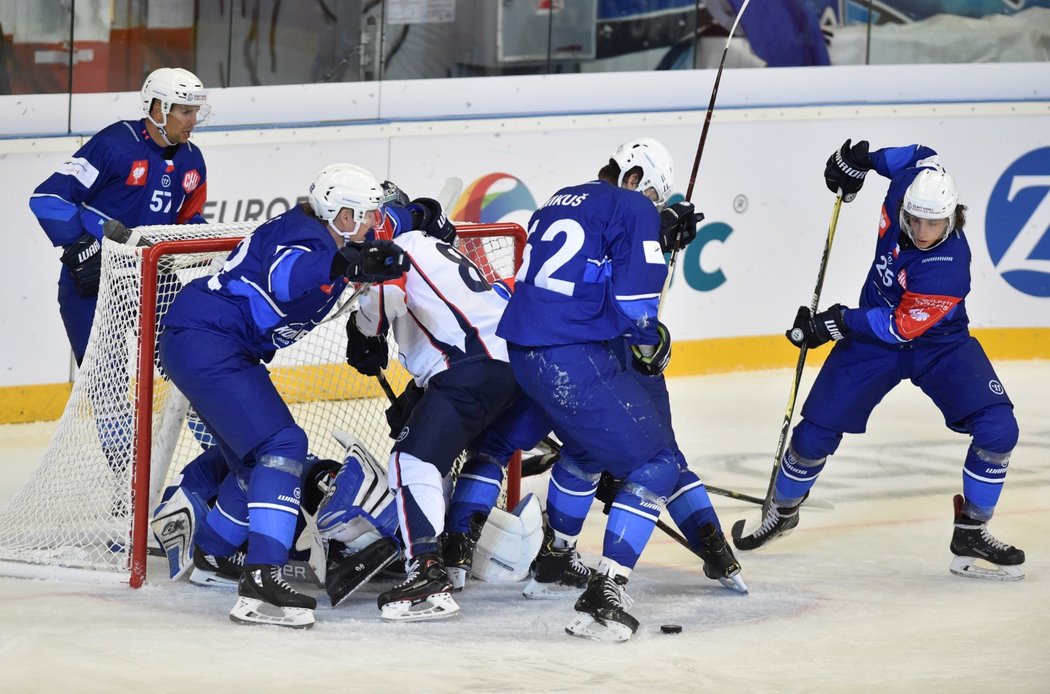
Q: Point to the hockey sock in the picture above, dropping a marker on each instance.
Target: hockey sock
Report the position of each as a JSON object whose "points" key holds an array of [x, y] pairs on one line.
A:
{"points": [[795, 477], [225, 528], [983, 475], [274, 491], [569, 496], [477, 489], [630, 525], [690, 507], [416, 484]]}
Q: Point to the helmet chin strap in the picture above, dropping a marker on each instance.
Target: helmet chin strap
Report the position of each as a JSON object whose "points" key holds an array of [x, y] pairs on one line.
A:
{"points": [[346, 235], [160, 127]]}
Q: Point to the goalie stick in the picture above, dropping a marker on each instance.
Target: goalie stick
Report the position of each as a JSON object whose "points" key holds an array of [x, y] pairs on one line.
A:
{"points": [[738, 527]]}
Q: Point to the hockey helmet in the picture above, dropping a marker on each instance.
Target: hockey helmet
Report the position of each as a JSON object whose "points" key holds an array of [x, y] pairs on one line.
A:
{"points": [[655, 162], [173, 85], [931, 195], [345, 185]]}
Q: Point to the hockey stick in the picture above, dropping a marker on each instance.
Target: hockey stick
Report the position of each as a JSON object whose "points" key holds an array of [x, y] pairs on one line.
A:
{"points": [[449, 194], [703, 140], [789, 411]]}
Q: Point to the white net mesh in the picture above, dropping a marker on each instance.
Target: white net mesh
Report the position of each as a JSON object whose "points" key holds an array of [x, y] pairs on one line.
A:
{"points": [[74, 509]]}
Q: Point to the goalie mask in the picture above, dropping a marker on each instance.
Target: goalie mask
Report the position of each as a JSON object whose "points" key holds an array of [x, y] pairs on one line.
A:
{"points": [[347, 186], [173, 85], [654, 160], [932, 195]]}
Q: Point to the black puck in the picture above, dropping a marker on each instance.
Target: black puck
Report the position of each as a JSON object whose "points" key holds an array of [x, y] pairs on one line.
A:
{"points": [[671, 629]]}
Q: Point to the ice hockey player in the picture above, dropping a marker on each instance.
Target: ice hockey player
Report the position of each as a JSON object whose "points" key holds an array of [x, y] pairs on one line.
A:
{"points": [[594, 274], [276, 286], [911, 324], [442, 314], [138, 172]]}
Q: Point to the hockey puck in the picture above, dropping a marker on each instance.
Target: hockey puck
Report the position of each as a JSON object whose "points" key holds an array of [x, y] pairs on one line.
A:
{"points": [[671, 629]]}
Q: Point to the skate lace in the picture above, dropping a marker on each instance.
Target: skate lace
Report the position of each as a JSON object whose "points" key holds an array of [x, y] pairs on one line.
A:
{"points": [[992, 540], [414, 571], [769, 520], [277, 576], [576, 565], [616, 594]]}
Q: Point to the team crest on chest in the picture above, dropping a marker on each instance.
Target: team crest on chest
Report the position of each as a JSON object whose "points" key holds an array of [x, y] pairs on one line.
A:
{"points": [[190, 181], [139, 173]]}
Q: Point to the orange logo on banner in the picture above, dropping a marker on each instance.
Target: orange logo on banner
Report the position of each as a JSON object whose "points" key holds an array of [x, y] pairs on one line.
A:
{"points": [[190, 181], [139, 171]]}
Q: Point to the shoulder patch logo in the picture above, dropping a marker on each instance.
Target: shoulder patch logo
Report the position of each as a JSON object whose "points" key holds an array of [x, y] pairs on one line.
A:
{"points": [[139, 173], [902, 279], [884, 222], [190, 181]]}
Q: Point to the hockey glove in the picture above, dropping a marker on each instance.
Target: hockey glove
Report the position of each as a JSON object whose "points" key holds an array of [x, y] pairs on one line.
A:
{"points": [[846, 169], [428, 218], [399, 411], [608, 487], [366, 353], [813, 331], [651, 360], [393, 194], [678, 226], [371, 261], [84, 260]]}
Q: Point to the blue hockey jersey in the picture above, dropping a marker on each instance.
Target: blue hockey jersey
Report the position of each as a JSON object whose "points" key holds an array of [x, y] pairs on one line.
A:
{"points": [[121, 173], [274, 288], [911, 294], [593, 270]]}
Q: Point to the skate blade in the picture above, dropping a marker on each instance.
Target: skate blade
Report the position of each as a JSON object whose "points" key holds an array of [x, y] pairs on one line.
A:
{"points": [[734, 583], [971, 567], [585, 626], [250, 611], [534, 590], [208, 579], [458, 578], [437, 606]]}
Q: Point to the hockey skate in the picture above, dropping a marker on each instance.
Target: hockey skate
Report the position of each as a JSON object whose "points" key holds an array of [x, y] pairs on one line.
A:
{"points": [[210, 570], [458, 551], [174, 525], [776, 522], [265, 598], [348, 572], [601, 611], [425, 594], [719, 562], [556, 572], [980, 555]]}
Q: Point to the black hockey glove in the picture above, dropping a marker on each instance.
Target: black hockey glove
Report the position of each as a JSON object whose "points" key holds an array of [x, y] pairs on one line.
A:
{"points": [[428, 217], [393, 194], [608, 487], [371, 261], [399, 411], [678, 226], [366, 353], [84, 260], [813, 331], [651, 360], [846, 169]]}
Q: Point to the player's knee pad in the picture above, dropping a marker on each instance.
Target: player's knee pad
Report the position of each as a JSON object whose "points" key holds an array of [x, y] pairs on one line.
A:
{"points": [[814, 442], [572, 478], [994, 428], [289, 442], [657, 477]]}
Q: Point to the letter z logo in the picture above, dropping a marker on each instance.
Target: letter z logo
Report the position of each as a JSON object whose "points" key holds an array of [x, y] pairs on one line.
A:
{"points": [[1017, 224]]}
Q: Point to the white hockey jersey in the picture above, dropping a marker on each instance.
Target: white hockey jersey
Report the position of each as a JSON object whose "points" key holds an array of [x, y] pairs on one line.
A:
{"points": [[443, 312]]}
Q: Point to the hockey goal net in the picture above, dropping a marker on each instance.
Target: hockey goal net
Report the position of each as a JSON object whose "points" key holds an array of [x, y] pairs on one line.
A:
{"points": [[126, 431]]}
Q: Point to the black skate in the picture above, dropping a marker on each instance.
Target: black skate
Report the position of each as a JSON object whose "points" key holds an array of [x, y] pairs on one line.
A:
{"points": [[719, 562], [601, 611], [425, 594], [980, 555], [265, 598], [458, 551], [556, 572], [347, 571], [211, 570], [776, 521]]}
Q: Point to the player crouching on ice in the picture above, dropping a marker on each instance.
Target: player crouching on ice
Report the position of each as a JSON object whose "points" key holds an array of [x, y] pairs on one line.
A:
{"points": [[912, 324]]}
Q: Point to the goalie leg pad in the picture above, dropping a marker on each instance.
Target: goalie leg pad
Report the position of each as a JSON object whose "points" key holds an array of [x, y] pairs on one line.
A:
{"points": [[509, 542], [175, 523], [348, 573]]}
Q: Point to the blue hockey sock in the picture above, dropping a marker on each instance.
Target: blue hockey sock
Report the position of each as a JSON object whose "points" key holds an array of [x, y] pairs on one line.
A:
{"points": [[225, 528], [477, 489], [690, 507], [569, 496], [273, 508], [795, 477], [630, 525], [983, 475]]}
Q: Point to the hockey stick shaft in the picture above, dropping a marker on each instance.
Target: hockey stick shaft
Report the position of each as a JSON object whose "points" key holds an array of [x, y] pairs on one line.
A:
{"points": [[703, 140], [789, 411]]}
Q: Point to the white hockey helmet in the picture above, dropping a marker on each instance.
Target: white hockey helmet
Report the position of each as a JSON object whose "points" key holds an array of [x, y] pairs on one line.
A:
{"points": [[173, 85], [345, 185], [655, 162], [931, 195]]}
